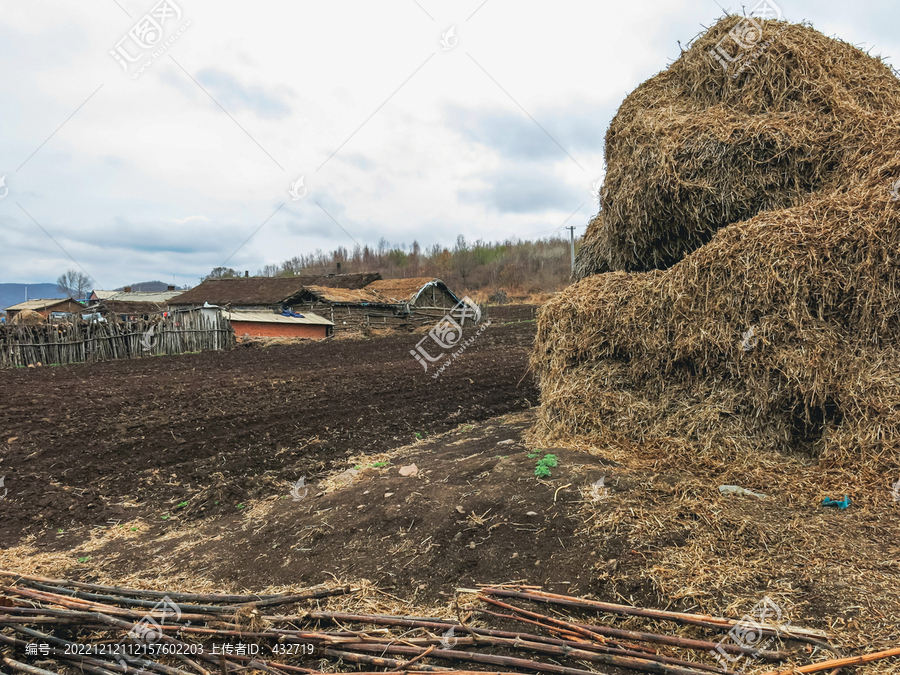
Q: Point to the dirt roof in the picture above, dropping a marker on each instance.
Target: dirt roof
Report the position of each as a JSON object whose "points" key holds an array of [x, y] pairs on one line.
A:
{"points": [[129, 307], [402, 290], [138, 296], [265, 291], [382, 292], [351, 296], [38, 304]]}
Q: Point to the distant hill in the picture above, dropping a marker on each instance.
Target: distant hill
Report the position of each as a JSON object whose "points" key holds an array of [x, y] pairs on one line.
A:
{"points": [[13, 294]]}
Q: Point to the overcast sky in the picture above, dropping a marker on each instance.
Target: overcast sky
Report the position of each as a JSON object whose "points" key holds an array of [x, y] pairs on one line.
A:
{"points": [[495, 132]]}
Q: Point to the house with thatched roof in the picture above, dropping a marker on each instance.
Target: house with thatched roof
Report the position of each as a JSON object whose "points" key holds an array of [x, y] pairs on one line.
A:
{"points": [[265, 293], [130, 305], [45, 307], [398, 303], [349, 301]]}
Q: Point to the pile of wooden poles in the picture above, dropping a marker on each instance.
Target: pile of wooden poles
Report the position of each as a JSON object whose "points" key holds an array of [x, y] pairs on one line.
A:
{"points": [[76, 624]]}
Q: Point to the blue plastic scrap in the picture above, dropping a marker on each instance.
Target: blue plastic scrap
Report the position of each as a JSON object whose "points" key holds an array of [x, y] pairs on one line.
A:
{"points": [[828, 501], [293, 314]]}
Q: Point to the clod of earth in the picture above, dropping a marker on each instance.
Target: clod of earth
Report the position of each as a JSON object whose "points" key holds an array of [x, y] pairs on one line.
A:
{"points": [[410, 470]]}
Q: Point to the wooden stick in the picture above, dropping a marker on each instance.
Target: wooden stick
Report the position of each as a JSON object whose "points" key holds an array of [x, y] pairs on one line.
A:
{"points": [[514, 662], [660, 639], [144, 663], [25, 668], [115, 590], [379, 661], [407, 664], [512, 639], [88, 606], [133, 602], [289, 599], [839, 663], [704, 620]]}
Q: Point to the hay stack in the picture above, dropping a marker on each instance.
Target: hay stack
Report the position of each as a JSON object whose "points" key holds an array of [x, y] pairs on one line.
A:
{"points": [[762, 201], [28, 317]]}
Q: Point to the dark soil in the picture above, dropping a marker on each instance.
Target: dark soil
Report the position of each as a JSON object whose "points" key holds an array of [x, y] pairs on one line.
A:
{"points": [[475, 513], [88, 444]]}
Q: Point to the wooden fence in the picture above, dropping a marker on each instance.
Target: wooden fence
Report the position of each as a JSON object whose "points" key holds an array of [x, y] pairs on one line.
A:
{"points": [[356, 318], [511, 313], [84, 341]]}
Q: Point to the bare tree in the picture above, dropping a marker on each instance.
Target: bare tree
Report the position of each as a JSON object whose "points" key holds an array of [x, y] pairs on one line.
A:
{"points": [[223, 273], [73, 283]]}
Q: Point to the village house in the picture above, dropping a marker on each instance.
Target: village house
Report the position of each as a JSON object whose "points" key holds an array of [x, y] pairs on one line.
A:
{"points": [[262, 306], [130, 305], [287, 324], [45, 307], [386, 303], [264, 293], [348, 301]]}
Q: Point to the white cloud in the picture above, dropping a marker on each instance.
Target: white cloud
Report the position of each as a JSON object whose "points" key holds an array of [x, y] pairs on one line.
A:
{"points": [[121, 184]]}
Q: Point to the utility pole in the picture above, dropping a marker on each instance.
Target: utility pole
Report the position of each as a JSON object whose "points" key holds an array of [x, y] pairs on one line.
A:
{"points": [[571, 230]]}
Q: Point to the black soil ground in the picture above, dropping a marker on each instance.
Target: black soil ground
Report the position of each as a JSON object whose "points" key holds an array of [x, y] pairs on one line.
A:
{"points": [[84, 445], [474, 513]]}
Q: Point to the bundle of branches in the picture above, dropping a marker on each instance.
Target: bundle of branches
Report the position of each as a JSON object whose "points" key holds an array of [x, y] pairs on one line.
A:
{"points": [[58, 626], [741, 290]]}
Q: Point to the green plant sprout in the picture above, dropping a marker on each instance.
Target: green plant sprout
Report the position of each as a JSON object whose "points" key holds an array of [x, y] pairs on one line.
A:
{"points": [[542, 470]]}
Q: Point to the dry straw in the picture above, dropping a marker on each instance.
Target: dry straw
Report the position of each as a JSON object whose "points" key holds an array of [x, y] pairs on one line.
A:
{"points": [[762, 201]]}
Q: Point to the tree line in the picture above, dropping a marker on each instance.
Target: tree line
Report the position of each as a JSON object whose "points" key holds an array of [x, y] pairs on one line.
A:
{"points": [[534, 266]]}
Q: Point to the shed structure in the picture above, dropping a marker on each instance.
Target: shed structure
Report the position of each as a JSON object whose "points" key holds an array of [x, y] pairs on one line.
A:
{"points": [[45, 307], [397, 303], [264, 293], [269, 324], [349, 302]]}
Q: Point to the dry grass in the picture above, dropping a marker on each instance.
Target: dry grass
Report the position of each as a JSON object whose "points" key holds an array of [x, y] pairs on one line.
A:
{"points": [[758, 202], [806, 145], [710, 553]]}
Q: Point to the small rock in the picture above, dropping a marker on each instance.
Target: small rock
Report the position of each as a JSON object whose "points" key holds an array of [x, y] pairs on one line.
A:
{"points": [[361, 506], [471, 544], [388, 494], [531, 513], [409, 470], [14, 438], [508, 441], [461, 510], [515, 555]]}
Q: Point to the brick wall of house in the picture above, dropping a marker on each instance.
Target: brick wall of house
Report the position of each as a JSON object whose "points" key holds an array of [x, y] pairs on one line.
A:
{"points": [[260, 329]]}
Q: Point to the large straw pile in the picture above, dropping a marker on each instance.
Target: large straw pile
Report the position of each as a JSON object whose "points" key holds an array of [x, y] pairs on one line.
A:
{"points": [[762, 201]]}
